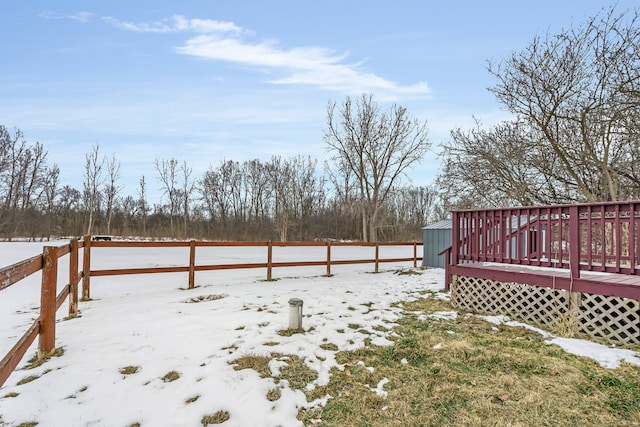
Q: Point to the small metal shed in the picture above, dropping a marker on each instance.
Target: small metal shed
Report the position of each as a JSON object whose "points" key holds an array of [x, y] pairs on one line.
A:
{"points": [[435, 238]]}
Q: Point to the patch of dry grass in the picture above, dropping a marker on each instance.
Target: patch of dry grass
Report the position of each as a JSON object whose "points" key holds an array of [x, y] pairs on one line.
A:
{"points": [[28, 379], [274, 394], [407, 272], [296, 372], [217, 418], [192, 399], [171, 376], [129, 370], [469, 372], [329, 346], [36, 361], [257, 362]]}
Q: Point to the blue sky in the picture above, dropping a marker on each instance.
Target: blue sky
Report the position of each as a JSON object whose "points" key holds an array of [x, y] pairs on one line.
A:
{"points": [[204, 81]]}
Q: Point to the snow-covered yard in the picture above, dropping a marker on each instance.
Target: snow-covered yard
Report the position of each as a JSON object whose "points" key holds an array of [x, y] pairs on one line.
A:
{"points": [[152, 322]]}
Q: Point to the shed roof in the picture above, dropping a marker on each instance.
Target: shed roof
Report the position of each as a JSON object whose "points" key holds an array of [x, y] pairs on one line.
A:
{"points": [[445, 224]]}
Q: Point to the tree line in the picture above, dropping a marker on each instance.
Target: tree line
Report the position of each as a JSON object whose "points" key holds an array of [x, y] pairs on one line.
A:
{"points": [[278, 199], [362, 194]]}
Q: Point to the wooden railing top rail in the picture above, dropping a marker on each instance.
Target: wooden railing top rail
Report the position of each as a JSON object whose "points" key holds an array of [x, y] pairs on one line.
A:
{"points": [[22, 269], [186, 243], [581, 206]]}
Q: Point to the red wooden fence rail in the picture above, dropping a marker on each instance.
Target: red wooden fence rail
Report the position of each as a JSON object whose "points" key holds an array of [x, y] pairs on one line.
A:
{"points": [[44, 326], [191, 268]]}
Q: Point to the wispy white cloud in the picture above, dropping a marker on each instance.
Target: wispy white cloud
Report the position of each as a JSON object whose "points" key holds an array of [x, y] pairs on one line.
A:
{"points": [[176, 24], [79, 16], [305, 65]]}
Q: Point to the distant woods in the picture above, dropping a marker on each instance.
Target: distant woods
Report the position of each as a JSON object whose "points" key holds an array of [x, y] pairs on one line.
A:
{"points": [[280, 199]]}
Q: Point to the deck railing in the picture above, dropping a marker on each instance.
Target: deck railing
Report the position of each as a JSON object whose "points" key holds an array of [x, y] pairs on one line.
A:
{"points": [[43, 327], [601, 237]]}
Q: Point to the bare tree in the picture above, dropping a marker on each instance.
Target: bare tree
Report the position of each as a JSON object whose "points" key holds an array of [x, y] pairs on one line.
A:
{"points": [[50, 191], [112, 188], [500, 166], [23, 177], [308, 192], [579, 90], [377, 147], [93, 180], [69, 207], [167, 175], [257, 189], [281, 183], [344, 203], [188, 185], [220, 188], [143, 205]]}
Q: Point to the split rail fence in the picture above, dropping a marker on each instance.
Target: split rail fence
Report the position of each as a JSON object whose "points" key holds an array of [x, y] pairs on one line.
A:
{"points": [[43, 327]]}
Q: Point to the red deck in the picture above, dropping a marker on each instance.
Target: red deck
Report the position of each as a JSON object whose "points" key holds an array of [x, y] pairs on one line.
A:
{"points": [[592, 248]]}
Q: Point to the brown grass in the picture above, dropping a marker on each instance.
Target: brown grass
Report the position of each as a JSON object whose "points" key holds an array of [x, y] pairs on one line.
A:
{"points": [[171, 376], [257, 362], [36, 361], [192, 399], [296, 372], [465, 373], [217, 418], [274, 394], [129, 370]]}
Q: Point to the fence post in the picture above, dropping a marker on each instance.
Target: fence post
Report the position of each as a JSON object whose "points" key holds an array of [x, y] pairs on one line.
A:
{"points": [[377, 255], [269, 260], [192, 263], [73, 278], [328, 259], [575, 303], [47, 337], [415, 254], [86, 269]]}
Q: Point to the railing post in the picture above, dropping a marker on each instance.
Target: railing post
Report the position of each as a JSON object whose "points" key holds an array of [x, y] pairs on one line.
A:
{"points": [[447, 270], [328, 259], [574, 242], [377, 255], [86, 269], [269, 260], [73, 278], [455, 238], [192, 263], [47, 337]]}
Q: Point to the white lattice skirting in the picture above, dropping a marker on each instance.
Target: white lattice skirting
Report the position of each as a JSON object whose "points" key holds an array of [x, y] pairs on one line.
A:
{"points": [[611, 320]]}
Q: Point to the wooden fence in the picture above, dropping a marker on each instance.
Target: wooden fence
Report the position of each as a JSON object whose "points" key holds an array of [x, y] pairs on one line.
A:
{"points": [[44, 326]]}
